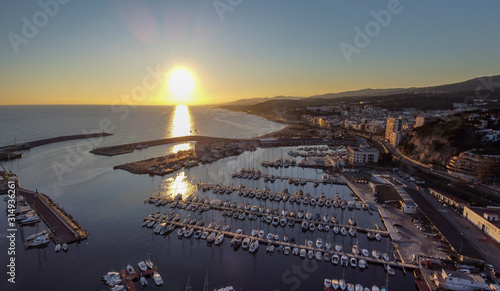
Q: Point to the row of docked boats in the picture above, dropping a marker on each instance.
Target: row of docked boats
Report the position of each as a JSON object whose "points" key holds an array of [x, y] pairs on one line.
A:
{"points": [[24, 213], [299, 197], [279, 163], [63, 247], [364, 252], [341, 284], [40, 238], [324, 251], [271, 215]]}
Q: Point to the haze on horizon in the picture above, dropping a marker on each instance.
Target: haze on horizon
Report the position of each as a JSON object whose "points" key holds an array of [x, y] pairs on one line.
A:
{"points": [[103, 52]]}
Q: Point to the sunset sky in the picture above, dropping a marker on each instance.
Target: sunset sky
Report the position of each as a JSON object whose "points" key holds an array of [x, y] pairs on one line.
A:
{"points": [[106, 52]]}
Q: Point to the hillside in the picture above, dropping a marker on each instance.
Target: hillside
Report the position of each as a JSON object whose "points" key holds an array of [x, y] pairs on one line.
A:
{"points": [[436, 142]]}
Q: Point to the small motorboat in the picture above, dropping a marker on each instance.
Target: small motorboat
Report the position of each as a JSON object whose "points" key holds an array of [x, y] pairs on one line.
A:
{"points": [[142, 266], [143, 282], [149, 264], [335, 259], [58, 247], [130, 269], [362, 264], [157, 279]]}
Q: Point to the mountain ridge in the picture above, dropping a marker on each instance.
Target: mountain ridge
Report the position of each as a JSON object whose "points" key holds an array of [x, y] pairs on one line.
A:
{"points": [[480, 83]]}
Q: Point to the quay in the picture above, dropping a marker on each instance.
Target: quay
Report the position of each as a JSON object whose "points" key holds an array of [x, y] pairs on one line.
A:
{"points": [[11, 151], [62, 225], [265, 241], [159, 166], [131, 147]]}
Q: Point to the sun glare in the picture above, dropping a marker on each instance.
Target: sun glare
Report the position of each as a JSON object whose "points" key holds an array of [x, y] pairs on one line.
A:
{"points": [[181, 83]]}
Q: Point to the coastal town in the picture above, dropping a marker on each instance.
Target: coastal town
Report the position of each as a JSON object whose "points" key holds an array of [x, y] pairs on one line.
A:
{"points": [[446, 236]]}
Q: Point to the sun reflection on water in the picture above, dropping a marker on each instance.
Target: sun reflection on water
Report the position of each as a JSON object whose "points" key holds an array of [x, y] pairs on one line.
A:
{"points": [[179, 184], [181, 126]]}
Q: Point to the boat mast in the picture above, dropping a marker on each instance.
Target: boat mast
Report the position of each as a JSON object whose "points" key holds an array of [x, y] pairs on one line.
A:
{"points": [[205, 286], [188, 285]]}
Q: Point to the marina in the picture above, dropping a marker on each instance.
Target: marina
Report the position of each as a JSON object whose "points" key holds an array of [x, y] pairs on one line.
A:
{"points": [[126, 278], [251, 210], [105, 200]]}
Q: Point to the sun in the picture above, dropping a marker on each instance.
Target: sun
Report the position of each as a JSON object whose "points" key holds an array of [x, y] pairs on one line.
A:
{"points": [[181, 83]]}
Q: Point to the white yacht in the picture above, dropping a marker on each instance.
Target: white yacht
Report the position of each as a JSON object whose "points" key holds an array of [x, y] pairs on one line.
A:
{"points": [[319, 243], [143, 282], [219, 238], [41, 240], [130, 269], [355, 249], [319, 256], [254, 246], [362, 264], [375, 254], [365, 252], [44, 232], [30, 220], [246, 243], [335, 259], [342, 284], [456, 280], [157, 279], [354, 262], [344, 261], [142, 266], [58, 247], [149, 264], [389, 269], [303, 253], [328, 283]]}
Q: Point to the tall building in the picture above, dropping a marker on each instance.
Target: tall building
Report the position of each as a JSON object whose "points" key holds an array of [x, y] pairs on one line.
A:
{"points": [[362, 155], [393, 131], [419, 121]]}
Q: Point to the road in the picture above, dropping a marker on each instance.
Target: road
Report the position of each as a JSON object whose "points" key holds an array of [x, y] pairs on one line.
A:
{"points": [[425, 167]]}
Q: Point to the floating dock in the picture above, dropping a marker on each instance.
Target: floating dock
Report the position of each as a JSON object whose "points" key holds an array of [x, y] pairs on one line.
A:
{"points": [[62, 225], [129, 279]]}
